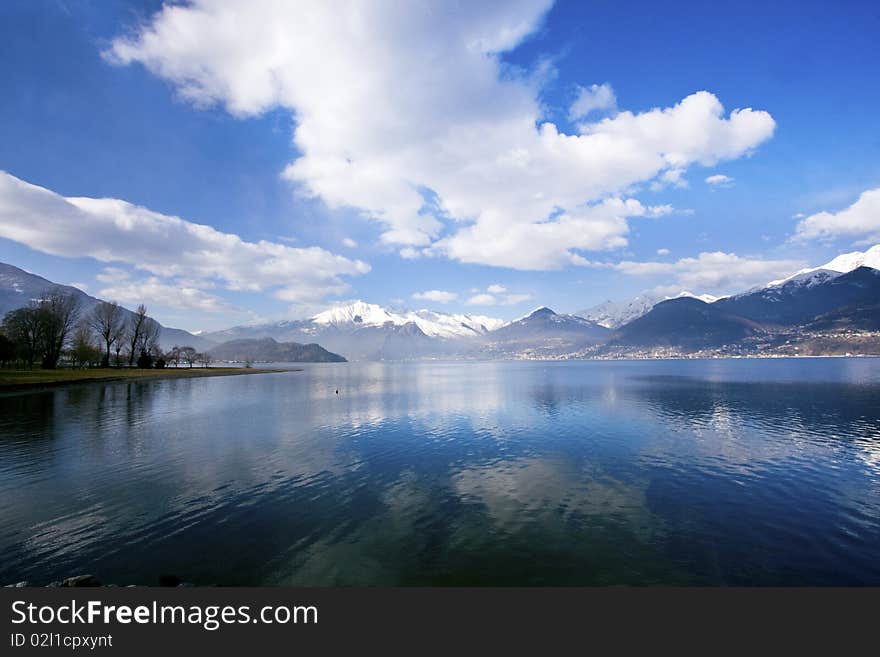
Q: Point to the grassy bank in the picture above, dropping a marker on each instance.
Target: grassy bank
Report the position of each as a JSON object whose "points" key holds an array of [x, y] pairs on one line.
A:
{"points": [[23, 379]]}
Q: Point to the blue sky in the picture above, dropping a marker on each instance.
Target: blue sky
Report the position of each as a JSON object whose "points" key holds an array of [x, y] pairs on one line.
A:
{"points": [[420, 163]]}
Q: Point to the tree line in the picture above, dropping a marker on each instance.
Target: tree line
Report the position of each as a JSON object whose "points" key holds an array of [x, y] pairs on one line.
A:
{"points": [[51, 331]]}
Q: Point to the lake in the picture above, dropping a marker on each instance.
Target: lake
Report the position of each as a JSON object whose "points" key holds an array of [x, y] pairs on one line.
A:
{"points": [[703, 472]]}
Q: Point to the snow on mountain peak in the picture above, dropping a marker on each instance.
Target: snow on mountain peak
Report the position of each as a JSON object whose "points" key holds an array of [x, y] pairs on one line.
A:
{"points": [[847, 262], [614, 314], [358, 312], [431, 323], [842, 264]]}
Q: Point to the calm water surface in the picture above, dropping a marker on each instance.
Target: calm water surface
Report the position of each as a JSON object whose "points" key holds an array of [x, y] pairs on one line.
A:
{"points": [[662, 472]]}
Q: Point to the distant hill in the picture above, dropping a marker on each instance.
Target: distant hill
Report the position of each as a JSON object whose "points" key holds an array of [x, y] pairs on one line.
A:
{"points": [[686, 323], [856, 317], [270, 351], [18, 288], [544, 333]]}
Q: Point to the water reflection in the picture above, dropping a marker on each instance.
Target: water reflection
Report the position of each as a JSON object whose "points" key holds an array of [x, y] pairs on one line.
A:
{"points": [[470, 473]]}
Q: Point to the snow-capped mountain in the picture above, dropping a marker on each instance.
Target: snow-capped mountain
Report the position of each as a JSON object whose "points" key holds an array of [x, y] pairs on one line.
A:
{"points": [[431, 323], [614, 314], [842, 264], [368, 331]]}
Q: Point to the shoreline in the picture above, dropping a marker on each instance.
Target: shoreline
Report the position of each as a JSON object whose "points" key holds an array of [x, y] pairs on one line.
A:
{"points": [[36, 379]]}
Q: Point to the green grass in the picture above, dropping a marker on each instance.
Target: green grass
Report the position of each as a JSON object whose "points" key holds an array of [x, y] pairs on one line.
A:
{"points": [[36, 378]]}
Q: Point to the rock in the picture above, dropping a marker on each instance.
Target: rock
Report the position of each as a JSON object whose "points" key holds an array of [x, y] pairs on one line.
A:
{"points": [[17, 585], [81, 580]]}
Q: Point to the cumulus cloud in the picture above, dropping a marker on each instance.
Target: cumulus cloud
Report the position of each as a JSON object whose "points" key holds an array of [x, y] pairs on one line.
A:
{"points": [[497, 298], [596, 97], [670, 178], [514, 299], [437, 296], [663, 252], [350, 243], [454, 154], [496, 289], [713, 271], [122, 288], [114, 231], [859, 220], [550, 244], [719, 180], [482, 300]]}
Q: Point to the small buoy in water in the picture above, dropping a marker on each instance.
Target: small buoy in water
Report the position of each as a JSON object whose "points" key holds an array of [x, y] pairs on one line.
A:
{"points": [[337, 391]]}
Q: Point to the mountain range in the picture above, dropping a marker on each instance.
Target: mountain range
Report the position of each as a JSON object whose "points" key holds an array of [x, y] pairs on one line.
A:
{"points": [[834, 308]]}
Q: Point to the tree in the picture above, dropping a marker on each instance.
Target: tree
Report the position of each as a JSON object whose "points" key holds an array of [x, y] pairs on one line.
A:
{"points": [[188, 355], [173, 356], [135, 326], [145, 360], [57, 315], [22, 326], [7, 350], [42, 329], [142, 335], [204, 359], [106, 320], [149, 338], [117, 349], [83, 351]]}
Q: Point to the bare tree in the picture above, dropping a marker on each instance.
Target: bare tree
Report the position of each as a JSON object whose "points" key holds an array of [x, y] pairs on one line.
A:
{"points": [[58, 312], [117, 348], [204, 359], [188, 355], [174, 355], [149, 338], [106, 320], [133, 333]]}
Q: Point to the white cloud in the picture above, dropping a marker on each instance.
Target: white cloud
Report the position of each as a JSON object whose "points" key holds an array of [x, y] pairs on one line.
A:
{"points": [[486, 299], [713, 271], [153, 291], [719, 180], [496, 289], [551, 244], [445, 118], [482, 300], [113, 231], [409, 253], [438, 296], [514, 299], [350, 243], [663, 252], [596, 97], [859, 220], [670, 178]]}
